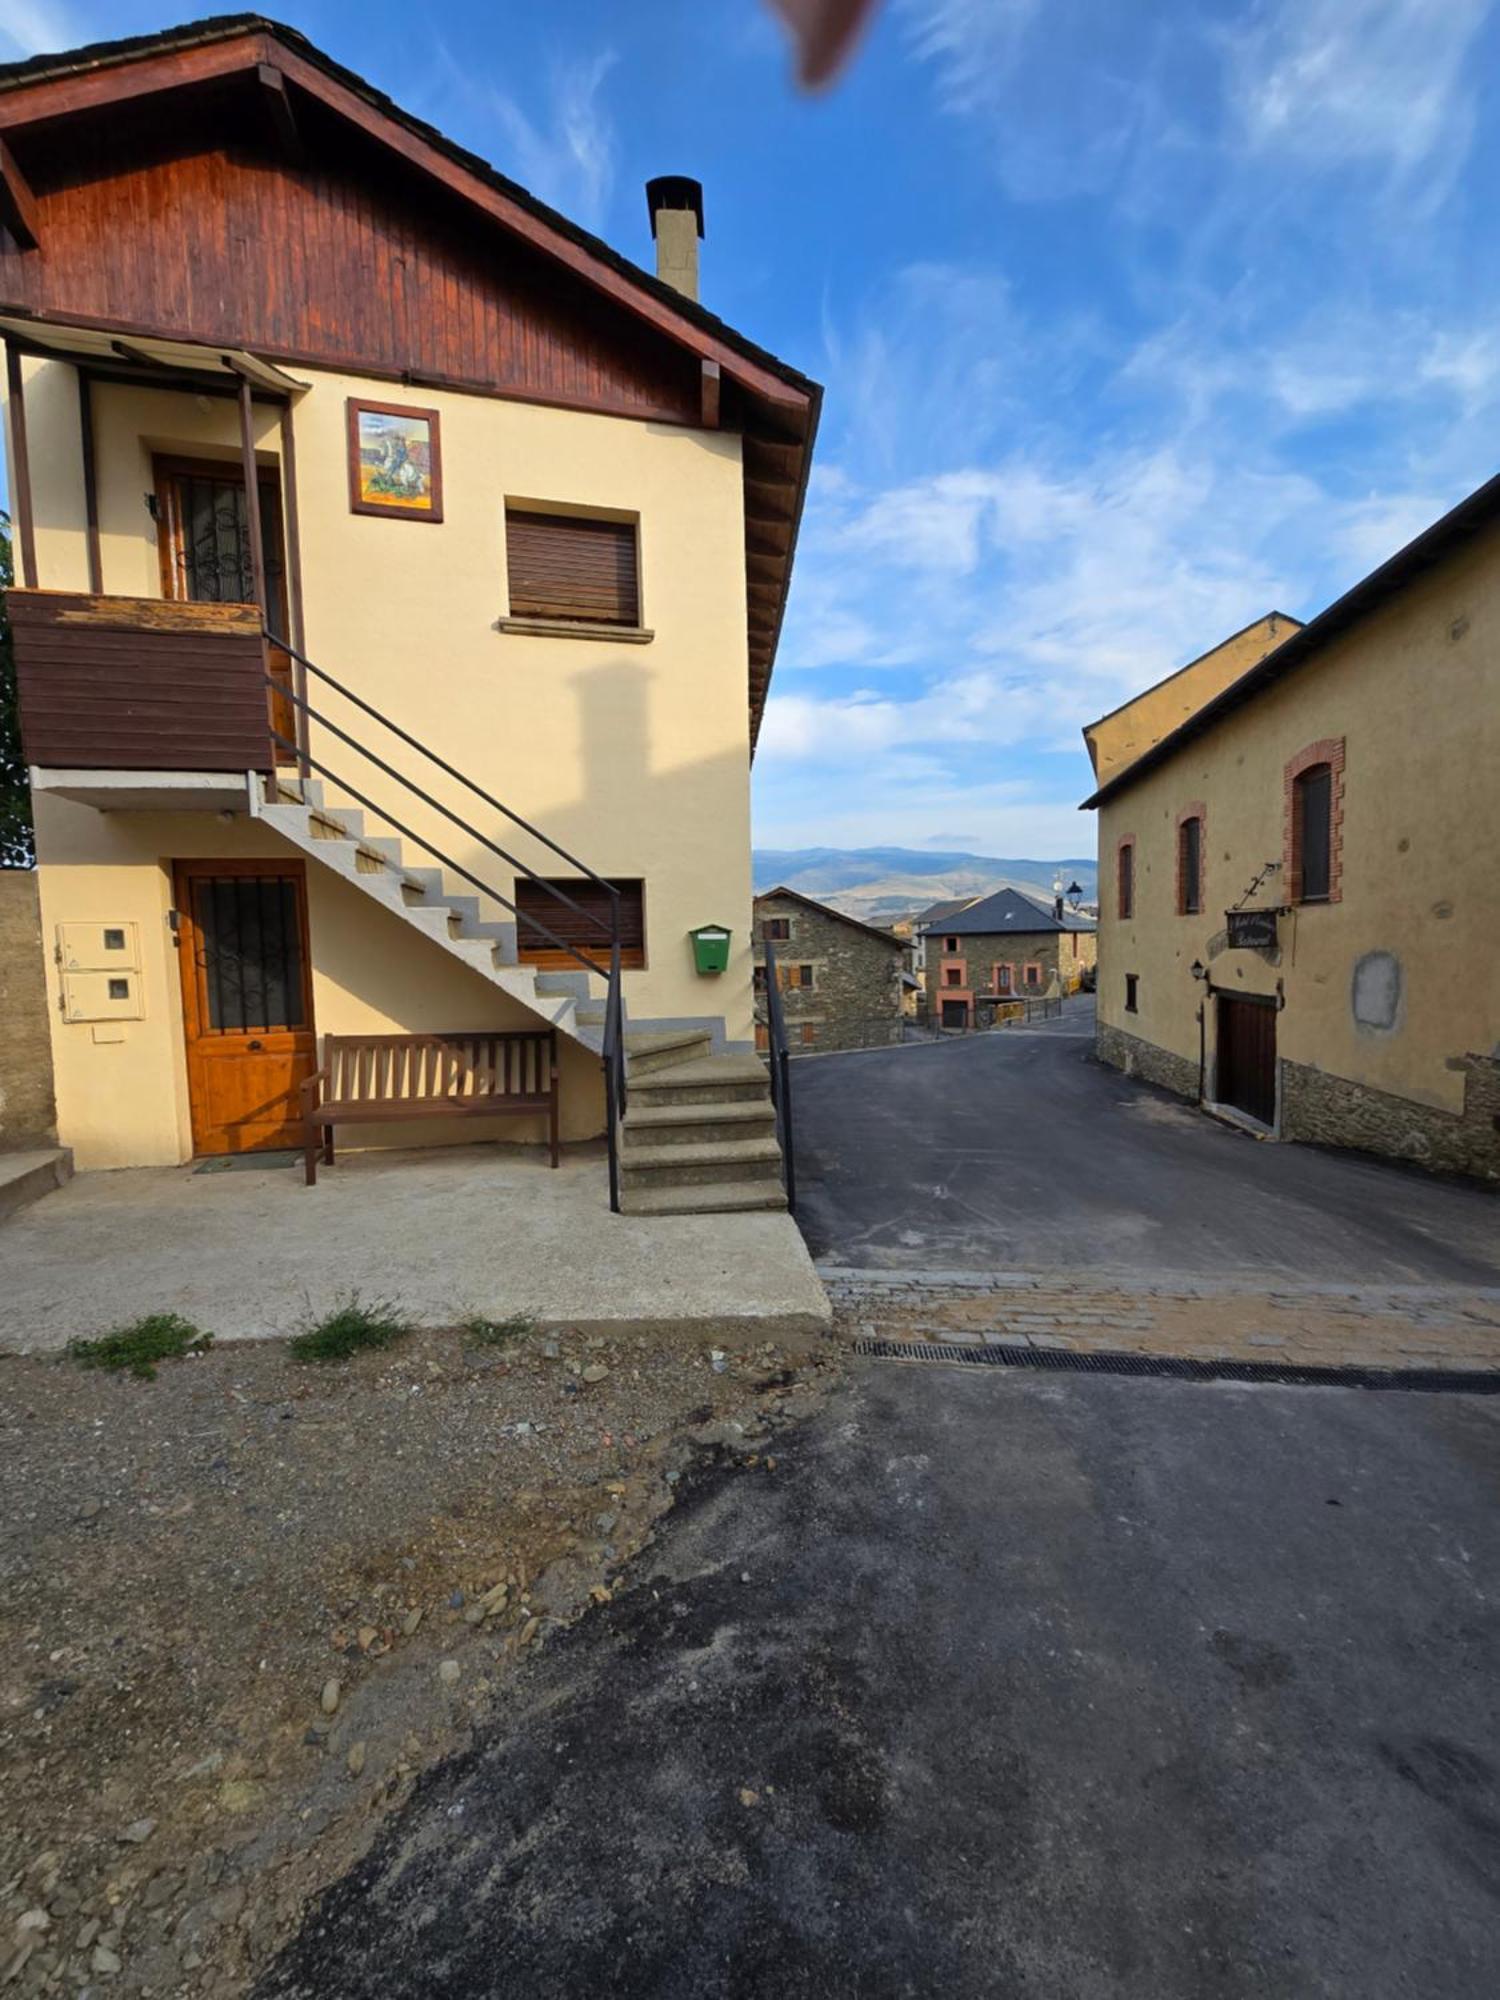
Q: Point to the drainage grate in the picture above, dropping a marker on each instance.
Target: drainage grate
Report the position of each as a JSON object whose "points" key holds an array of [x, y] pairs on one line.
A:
{"points": [[1061, 1360]]}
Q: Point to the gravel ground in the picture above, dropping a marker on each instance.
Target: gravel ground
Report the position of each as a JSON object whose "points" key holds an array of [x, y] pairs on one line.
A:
{"points": [[244, 1605]]}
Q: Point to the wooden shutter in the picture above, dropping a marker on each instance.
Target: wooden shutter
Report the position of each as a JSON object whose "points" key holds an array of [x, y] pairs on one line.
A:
{"points": [[569, 566], [574, 926]]}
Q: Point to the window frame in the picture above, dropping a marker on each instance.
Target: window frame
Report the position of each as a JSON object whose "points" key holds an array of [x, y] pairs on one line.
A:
{"points": [[1132, 993], [561, 624], [1321, 776], [1329, 751], [776, 930], [1125, 878], [1191, 893]]}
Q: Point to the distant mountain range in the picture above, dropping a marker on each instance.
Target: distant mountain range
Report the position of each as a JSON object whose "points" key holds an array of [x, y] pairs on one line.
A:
{"points": [[879, 883]]}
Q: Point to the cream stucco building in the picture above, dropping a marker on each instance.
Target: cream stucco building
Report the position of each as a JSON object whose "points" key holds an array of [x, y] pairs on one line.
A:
{"points": [[1300, 876], [523, 516]]}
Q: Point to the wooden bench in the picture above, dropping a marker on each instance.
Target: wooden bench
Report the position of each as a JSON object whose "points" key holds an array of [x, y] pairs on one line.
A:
{"points": [[382, 1079]]}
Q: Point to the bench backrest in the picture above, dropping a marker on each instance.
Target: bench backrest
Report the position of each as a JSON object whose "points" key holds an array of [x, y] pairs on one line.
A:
{"points": [[425, 1069]]}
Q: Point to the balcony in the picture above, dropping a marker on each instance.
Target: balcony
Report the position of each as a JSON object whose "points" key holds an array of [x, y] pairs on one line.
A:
{"points": [[134, 701]]}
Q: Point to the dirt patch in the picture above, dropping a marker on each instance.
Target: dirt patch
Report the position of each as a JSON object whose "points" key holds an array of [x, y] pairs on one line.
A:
{"points": [[244, 1605]]}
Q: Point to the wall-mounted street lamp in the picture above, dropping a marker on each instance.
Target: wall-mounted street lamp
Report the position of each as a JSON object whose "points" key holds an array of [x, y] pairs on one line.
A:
{"points": [[1198, 969]]}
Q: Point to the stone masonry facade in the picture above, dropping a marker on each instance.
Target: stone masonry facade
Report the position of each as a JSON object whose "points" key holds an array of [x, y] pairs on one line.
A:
{"points": [[1329, 1110], [1145, 1060], [1046, 955], [840, 980], [1320, 1109], [28, 1116]]}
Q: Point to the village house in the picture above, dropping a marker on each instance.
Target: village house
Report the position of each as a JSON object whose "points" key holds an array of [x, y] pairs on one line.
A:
{"points": [[400, 575], [1003, 948], [1300, 866], [918, 929], [842, 983]]}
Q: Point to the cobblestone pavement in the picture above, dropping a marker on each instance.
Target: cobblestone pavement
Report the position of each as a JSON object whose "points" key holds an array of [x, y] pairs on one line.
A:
{"points": [[1402, 1326]]}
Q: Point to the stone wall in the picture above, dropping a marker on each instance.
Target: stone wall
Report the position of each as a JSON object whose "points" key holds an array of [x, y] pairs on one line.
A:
{"points": [[1331, 1111], [854, 1001], [28, 1116], [1143, 1059]]}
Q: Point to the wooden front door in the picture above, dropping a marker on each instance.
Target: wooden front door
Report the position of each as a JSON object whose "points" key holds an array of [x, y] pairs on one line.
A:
{"points": [[246, 1001], [1247, 1056], [203, 546]]}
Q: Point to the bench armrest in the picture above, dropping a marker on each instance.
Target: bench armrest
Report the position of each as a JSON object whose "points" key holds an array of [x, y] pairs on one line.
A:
{"points": [[307, 1090]]}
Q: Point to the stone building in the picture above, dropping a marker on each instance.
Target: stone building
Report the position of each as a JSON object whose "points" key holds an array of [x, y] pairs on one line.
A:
{"points": [[1300, 917], [1004, 947], [841, 980]]}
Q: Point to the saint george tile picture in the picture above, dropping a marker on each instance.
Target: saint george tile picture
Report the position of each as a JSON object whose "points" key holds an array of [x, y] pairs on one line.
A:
{"points": [[395, 463]]}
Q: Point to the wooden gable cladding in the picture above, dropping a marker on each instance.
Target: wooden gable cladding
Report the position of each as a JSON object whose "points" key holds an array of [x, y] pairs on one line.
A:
{"points": [[228, 183], [343, 259]]}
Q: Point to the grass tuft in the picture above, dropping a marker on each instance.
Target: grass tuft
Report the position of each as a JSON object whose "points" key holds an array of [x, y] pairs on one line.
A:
{"points": [[354, 1325], [498, 1332], [139, 1346]]}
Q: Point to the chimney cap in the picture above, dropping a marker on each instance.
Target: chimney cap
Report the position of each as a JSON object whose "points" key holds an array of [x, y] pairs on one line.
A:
{"points": [[674, 191]]}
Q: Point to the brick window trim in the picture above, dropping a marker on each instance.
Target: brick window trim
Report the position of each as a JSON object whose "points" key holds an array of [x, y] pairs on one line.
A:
{"points": [[1125, 840], [1327, 750], [1033, 973], [1003, 965], [1198, 811]]}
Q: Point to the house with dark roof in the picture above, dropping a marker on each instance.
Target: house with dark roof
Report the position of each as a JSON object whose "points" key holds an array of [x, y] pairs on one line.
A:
{"points": [[400, 572], [1003, 948], [1300, 871], [842, 982]]}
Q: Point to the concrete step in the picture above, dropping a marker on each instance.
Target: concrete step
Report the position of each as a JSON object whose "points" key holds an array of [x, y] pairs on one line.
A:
{"points": [[729, 1079], [649, 1050], [26, 1177], [718, 1198], [698, 1164], [697, 1124]]}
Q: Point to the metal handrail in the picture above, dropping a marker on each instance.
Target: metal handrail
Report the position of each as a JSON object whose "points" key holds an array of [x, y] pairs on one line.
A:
{"points": [[422, 749], [613, 1050], [781, 1078]]}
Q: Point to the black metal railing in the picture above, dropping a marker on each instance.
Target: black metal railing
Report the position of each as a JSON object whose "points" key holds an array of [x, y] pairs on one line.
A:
{"points": [[613, 1051], [779, 1062]]}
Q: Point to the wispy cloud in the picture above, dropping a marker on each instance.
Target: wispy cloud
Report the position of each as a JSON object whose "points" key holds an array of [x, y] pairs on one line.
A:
{"points": [[36, 27], [1340, 81], [561, 146]]}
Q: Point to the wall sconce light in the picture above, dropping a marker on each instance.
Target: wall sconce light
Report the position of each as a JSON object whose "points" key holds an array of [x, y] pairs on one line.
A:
{"points": [[1198, 969]]}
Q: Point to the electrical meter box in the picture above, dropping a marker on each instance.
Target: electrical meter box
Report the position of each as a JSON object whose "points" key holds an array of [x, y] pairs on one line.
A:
{"points": [[99, 947], [102, 996], [101, 971]]}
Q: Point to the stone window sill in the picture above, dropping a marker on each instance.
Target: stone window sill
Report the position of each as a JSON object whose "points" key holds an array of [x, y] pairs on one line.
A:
{"points": [[577, 628]]}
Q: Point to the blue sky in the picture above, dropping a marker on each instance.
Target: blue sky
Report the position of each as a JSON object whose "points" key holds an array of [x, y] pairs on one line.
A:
{"points": [[1137, 319]]}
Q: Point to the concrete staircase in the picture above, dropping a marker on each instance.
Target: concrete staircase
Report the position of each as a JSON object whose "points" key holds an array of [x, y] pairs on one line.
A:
{"points": [[699, 1137], [335, 837], [700, 1134]]}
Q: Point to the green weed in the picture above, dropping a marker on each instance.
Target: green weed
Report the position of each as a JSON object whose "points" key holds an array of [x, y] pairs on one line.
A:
{"points": [[498, 1332], [139, 1346], [354, 1325]]}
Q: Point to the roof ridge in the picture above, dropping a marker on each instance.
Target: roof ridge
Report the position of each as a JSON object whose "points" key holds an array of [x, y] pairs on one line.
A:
{"points": [[225, 27]]}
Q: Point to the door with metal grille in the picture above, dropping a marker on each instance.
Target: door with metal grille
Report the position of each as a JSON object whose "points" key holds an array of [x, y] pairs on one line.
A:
{"points": [[203, 543], [1246, 1074], [246, 1001]]}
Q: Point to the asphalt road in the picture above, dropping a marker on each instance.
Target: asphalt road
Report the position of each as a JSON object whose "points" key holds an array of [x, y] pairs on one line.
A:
{"points": [[1000, 1684], [1019, 1151]]}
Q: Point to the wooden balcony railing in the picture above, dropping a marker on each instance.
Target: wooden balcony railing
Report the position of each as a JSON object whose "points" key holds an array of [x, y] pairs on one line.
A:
{"points": [[140, 683]]}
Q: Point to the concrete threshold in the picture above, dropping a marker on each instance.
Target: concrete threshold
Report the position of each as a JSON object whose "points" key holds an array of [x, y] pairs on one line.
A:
{"points": [[445, 1234]]}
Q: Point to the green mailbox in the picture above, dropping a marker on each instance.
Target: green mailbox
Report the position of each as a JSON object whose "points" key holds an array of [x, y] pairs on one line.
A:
{"points": [[710, 947]]}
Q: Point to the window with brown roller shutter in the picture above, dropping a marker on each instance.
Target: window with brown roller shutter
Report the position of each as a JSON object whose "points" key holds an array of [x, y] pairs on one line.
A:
{"points": [[572, 566]]}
